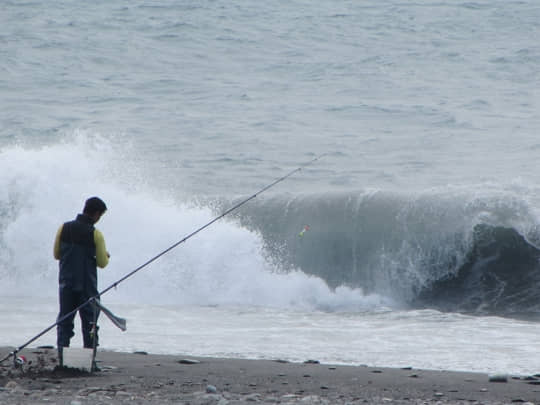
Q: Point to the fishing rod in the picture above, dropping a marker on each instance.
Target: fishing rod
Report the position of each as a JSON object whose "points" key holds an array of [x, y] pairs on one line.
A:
{"points": [[95, 299]]}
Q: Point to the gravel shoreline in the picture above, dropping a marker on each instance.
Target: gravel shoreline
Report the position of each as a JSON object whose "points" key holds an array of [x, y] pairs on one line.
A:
{"points": [[139, 378]]}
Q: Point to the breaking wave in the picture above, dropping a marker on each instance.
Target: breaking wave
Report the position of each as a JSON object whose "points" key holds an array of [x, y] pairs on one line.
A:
{"points": [[453, 249], [449, 250]]}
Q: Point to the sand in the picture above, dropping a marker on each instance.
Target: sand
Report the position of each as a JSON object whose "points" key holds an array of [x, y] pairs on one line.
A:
{"points": [[139, 378]]}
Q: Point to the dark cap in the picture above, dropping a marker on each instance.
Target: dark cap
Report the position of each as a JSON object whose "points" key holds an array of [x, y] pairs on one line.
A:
{"points": [[93, 205]]}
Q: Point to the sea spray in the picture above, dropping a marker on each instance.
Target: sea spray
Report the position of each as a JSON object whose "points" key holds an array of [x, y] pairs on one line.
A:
{"points": [[226, 264]]}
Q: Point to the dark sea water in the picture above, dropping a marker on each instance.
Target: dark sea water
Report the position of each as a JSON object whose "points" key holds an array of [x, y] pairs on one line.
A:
{"points": [[422, 212]]}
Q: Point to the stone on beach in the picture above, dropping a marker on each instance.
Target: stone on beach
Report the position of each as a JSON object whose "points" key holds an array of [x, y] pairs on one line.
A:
{"points": [[499, 378]]}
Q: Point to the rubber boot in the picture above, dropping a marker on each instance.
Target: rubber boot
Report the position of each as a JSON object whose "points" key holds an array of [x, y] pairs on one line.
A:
{"points": [[60, 356]]}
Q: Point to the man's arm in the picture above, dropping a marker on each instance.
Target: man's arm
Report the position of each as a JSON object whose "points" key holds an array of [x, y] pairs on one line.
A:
{"points": [[102, 256], [56, 250]]}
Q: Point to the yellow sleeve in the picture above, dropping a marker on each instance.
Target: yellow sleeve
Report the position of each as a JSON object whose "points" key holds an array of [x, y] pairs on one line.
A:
{"points": [[102, 256], [56, 250]]}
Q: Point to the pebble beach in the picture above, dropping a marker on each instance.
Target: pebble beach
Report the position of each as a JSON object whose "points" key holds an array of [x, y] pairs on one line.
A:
{"points": [[142, 378]]}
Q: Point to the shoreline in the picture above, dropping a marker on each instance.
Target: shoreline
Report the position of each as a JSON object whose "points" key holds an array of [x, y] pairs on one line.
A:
{"points": [[157, 379]]}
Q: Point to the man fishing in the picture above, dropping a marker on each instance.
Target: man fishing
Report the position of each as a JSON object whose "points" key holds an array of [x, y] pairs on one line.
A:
{"points": [[80, 248]]}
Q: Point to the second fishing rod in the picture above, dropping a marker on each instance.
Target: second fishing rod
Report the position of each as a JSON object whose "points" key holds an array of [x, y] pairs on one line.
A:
{"points": [[95, 298]]}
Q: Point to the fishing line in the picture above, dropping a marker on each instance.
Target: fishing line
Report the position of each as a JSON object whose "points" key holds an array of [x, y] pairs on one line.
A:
{"points": [[162, 253]]}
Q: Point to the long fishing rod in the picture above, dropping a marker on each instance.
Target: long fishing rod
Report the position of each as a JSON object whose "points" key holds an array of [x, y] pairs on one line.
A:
{"points": [[164, 252]]}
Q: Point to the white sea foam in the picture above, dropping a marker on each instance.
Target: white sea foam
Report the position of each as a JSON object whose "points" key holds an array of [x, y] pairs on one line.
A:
{"points": [[419, 339]]}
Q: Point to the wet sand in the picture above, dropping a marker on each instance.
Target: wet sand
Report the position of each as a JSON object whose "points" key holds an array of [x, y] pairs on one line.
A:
{"points": [[139, 378]]}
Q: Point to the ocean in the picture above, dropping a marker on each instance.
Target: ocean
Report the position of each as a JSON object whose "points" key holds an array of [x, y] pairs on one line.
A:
{"points": [[414, 241]]}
